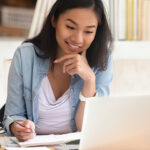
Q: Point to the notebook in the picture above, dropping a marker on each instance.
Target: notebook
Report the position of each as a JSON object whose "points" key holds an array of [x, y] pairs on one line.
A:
{"points": [[43, 140], [116, 123]]}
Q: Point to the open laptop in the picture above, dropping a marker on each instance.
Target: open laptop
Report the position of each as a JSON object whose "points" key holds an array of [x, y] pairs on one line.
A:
{"points": [[116, 123]]}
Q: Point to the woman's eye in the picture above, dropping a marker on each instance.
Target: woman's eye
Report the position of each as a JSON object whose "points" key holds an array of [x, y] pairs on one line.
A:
{"points": [[88, 32], [69, 27]]}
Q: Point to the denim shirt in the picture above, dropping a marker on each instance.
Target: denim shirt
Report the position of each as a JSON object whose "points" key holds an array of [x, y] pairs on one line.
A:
{"points": [[25, 75]]}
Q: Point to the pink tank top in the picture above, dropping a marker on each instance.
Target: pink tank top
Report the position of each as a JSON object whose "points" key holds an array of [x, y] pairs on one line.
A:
{"points": [[54, 115]]}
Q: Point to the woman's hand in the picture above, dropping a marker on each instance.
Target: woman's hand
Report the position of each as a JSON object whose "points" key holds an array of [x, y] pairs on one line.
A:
{"points": [[76, 64], [23, 133]]}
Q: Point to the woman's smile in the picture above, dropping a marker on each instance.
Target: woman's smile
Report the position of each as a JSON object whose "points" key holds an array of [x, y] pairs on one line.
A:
{"points": [[72, 47]]}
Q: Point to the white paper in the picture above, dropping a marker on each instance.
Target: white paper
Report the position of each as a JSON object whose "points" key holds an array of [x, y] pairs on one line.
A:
{"points": [[40, 140]]}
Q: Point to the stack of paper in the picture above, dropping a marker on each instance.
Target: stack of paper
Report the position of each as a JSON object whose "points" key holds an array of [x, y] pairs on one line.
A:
{"points": [[40, 140]]}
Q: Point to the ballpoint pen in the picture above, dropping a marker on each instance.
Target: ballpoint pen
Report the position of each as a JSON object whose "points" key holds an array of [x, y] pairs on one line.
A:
{"points": [[8, 117]]}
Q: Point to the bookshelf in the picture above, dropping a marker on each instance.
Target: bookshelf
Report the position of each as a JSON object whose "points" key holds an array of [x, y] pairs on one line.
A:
{"points": [[16, 17], [129, 19]]}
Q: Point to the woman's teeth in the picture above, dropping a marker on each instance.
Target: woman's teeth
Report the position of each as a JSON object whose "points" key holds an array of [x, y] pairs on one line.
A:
{"points": [[73, 46]]}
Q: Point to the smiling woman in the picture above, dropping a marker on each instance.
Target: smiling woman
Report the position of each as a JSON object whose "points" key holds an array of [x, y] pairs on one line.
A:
{"points": [[75, 30], [69, 57]]}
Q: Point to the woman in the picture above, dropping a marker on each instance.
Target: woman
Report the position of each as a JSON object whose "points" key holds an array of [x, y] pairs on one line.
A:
{"points": [[53, 74]]}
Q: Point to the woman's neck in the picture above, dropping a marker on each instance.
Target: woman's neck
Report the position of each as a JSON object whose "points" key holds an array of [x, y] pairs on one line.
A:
{"points": [[58, 70]]}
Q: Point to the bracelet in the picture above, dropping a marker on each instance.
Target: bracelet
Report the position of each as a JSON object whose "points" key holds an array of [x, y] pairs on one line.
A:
{"points": [[83, 98]]}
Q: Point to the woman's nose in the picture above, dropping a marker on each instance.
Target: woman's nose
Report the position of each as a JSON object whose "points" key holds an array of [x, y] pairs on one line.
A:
{"points": [[77, 37]]}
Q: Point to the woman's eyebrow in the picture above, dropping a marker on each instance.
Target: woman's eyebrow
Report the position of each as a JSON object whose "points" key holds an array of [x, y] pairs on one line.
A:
{"points": [[70, 20], [92, 26]]}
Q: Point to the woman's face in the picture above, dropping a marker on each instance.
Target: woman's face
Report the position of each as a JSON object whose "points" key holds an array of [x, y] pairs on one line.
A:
{"points": [[75, 30]]}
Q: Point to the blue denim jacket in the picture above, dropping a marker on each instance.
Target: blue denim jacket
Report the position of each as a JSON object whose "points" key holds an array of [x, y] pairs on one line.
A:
{"points": [[25, 75]]}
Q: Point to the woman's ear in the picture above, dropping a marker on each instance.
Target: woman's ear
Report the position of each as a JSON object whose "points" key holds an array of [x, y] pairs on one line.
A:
{"points": [[53, 22]]}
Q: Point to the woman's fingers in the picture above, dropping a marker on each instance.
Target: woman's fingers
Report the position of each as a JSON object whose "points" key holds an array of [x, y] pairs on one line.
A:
{"points": [[72, 71], [16, 128], [29, 125], [63, 58], [69, 69], [23, 133], [76, 64], [67, 63], [24, 137]]}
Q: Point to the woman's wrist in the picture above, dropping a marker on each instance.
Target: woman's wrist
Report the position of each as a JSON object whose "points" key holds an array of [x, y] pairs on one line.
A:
{"points": [[83, 98], [11, 128], [89, 88], [90, 78]]}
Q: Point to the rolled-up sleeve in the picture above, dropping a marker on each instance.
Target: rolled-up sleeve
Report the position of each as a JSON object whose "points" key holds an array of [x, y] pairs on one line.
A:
{"points": [[15, 105]]}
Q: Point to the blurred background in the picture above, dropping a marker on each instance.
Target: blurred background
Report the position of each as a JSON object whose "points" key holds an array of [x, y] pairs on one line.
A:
{"points": [[129, 21]]}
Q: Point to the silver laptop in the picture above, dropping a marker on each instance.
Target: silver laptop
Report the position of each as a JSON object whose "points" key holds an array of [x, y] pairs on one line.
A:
{"points": [[116, 123]]}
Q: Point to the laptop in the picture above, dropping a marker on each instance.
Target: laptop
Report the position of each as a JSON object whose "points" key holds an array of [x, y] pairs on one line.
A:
{"points": [[116, 123]]}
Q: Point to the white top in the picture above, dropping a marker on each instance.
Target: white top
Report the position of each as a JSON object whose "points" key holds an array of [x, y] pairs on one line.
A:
{"points": [[54, 115]]}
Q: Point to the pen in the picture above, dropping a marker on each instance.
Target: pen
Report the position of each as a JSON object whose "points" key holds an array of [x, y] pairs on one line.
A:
{"points": [[8, 117]]}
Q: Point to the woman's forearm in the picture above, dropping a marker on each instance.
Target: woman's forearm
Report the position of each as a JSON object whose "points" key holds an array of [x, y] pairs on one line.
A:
{"points": [[88, 90], [79, 115]]}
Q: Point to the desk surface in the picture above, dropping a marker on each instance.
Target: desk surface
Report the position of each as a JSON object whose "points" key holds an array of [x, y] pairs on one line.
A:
{"points": [[51, 148], [71, 145]]}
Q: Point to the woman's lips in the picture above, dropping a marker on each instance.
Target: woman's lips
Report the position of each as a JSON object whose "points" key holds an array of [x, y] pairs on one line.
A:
{"points": [[73, 47]]}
